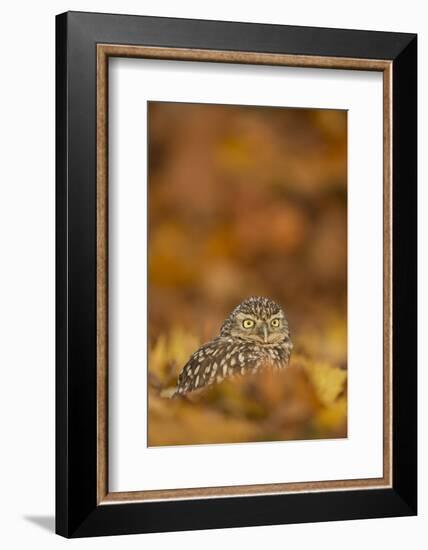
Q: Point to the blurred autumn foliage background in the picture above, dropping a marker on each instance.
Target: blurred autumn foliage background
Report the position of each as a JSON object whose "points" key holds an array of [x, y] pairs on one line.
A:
{"points": [[247, 201]]}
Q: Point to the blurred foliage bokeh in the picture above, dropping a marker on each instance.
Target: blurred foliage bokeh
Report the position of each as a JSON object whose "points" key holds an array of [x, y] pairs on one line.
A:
{"points": [[247, 201]]}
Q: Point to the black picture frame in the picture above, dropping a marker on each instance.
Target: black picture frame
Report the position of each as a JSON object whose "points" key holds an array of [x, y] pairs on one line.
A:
{"points": [[77, 511]]}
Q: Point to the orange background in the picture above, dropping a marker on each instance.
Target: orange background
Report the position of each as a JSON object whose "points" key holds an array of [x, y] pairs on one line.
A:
{"points": [[247, 201]]}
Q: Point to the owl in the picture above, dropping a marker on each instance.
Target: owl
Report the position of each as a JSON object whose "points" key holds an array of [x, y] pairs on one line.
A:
{"points": [[255, 336]]}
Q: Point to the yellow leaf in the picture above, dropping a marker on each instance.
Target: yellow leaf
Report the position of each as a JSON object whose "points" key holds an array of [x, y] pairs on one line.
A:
{"points": [[328, 381], [334, 416]]}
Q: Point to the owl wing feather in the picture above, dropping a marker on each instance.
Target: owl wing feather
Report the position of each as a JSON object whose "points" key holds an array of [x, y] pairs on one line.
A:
{"points": [[221, 358], [205, 366]]}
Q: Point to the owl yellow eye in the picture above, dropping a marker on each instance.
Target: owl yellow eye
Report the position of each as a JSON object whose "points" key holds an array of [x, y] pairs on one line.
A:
{"points": [[275, 323], [248, 323]]}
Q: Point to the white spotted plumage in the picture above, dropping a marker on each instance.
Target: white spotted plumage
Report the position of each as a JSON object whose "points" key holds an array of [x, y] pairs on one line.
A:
{"points": [[239, 350]]}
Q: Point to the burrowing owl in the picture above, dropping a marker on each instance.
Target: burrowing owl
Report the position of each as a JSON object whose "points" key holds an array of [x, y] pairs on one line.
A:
{"points": [[254, 336]]}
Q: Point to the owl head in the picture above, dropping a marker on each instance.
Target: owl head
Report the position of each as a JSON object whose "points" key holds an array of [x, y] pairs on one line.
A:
{"points": [[258, 320]]}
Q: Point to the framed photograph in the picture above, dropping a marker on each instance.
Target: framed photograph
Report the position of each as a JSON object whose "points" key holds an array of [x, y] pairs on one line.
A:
{"points": [[236, 274]]}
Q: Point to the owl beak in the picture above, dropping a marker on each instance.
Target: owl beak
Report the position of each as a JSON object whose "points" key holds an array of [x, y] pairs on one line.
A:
{"points": [[265, 333]]}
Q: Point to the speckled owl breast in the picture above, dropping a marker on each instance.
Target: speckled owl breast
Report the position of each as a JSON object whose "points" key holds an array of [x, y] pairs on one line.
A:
{"points": [[255, 336]]}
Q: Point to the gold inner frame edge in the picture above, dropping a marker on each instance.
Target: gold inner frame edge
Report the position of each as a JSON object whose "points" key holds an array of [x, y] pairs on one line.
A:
{"points": [[104, 51]]}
